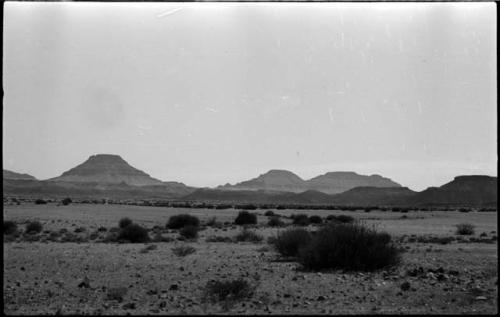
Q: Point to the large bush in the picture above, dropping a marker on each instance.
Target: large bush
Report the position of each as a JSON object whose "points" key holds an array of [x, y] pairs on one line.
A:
{"points": [[9, 227], [315, 219], [180, 221], [275, 221], [124, 222], [245, 218], [351, 247], [34, 227], [189, 232], [288, 242], [465, 229], [66, 201], [301, 220], [134, 234]]}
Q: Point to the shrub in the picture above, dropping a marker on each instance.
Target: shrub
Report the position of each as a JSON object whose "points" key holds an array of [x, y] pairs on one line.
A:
{"points": [[219, 239], [134, 234], [180, 221], [464, 209], [350, 247], [248, 236], [340, 219], [66, 201], [189, 232], [465, 229], [124, 222], [80, 229], [40, 202], [275, 221], [300, 220], [245, 218], [158, 237], [288, 242], [34, 227], [269, 213], [315, 219], [9, 227], [102, 229], [230, 291], [183, 250]]}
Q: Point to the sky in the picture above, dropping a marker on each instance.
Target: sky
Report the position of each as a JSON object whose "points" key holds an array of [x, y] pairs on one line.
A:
{"points": [[214, 93]]}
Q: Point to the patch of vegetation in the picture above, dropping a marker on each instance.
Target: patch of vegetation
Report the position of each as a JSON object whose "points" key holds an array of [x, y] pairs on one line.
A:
{"points": [[351, 247], [116, 293], [80, 229], [102, 229], [40, 201], [248, 236], [180, 221], [134, 234], [9, 227], [300, 220], [269, 213], [66, 201], [148, 248], [158, 237], [275, 221], [288, 242], [219, 239], [245, 218], [189, 232], [340, 219], [34, 227], [183, 250], [315, 219], [124, 222], [228, 291], [465, 229]]}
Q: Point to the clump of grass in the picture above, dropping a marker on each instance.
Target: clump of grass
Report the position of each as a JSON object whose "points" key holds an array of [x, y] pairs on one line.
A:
{"points": [[134, 234], [228, 291], [189, 232], [124, 222], [248, 236], [465, 229], [351, 247], [158, 237], [180, 221], [9, 227], [275, 221], [245, 218], [34, 227], [288, 242], [183, 250]]}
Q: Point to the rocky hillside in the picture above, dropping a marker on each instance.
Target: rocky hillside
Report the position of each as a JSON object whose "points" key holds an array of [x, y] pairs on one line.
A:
{"points": [[13, 175]]}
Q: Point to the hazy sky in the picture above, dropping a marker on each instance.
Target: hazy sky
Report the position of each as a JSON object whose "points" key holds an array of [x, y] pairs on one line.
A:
{"points": [[210, 93]]}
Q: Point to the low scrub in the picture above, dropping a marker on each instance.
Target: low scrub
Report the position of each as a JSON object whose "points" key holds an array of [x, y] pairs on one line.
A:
{"points": [[465, 229], [219, 239], [275, 221], [248, 236], [300, 220], [66, 201], [228, 291], [40, 202], [269, 213], [9, 227], [34, 227], [245, 218], [124, 222], [189, 232], [288, 242], [183, 250], [134, 234], [315, 219], [340, 219], [350, 247], [180, 221]]}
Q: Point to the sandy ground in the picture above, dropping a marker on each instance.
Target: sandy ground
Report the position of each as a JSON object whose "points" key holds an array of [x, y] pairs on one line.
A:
{"points": [[44, 278]]}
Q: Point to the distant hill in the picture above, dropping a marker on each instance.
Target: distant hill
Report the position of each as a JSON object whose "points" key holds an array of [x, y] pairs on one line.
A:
{"points": [[473, 190], [373, 196], [13, 175], [329, 183], [106, 169]]}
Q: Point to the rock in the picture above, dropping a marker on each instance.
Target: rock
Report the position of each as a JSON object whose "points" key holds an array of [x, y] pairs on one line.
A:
{"points": [[174, 287], [481, 298], [405, 286], [431, 275]]}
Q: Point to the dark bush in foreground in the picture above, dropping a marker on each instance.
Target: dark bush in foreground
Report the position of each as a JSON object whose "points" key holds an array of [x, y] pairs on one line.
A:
{"points": [[300, 220], [351, 247], [248, 236], [180, 221], [245, 218], [465, 229], [9, 227], [40, 202], [275, 221], [134, 234], [124, 222], [183, 250], [189, 232], [66, 201], [34, 227], [235, 290], [315, 219], [288, 242]]}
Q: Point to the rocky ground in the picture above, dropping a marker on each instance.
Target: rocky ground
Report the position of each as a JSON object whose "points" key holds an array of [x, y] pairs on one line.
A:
{"points": [[110, 278]]}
